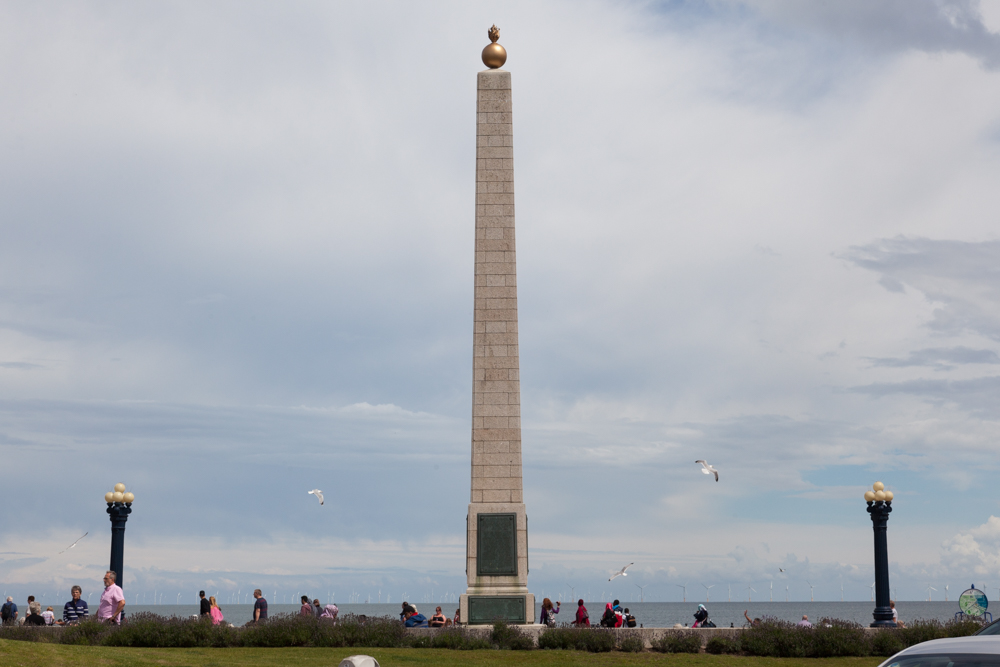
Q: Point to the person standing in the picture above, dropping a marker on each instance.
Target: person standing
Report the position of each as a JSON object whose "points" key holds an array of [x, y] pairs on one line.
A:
{"points": [[112, 600], [214, 611], [306, 609], [8, 612], [317, 608], [548, 617], [259, 607], [76, 609], [206, 605], [582, 617]]}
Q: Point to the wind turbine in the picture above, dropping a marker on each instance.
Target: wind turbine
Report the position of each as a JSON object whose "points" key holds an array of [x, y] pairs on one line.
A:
{"points": [[729, 587], [842, 591], [772, 591], [572, 592], [707, 589], [929, 589], [786, 592], [641, 599], [810, 591], [750, 588], [873, 591], [684, 589], [946, 593]]}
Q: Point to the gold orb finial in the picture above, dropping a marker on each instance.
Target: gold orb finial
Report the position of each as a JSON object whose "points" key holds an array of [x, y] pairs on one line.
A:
{"points": [[494, 55]]}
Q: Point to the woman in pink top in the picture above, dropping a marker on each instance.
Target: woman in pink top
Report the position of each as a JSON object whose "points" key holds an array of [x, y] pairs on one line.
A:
{"points": [[307, 608], [214, 611]]}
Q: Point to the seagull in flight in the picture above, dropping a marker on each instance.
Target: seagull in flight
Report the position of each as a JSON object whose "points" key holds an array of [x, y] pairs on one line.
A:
{"points": [[621, 572], [318, 494], [708, 469], [781, 569], [74, 544]]}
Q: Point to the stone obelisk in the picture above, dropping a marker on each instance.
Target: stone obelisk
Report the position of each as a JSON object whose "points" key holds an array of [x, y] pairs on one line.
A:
{"points": [[497, 541]]}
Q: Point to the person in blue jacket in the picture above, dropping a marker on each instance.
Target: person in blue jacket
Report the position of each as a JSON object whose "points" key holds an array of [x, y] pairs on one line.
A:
{"points": [[413, 618]]}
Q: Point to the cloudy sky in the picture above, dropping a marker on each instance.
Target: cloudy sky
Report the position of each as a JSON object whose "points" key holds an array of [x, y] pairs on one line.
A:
{"points": [[236, 256]]}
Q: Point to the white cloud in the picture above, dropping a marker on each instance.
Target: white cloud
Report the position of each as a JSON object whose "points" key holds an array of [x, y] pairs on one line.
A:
{"points": [[976, 550]]}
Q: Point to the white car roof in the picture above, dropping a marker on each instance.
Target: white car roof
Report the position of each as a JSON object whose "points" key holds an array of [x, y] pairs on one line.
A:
{"points": [[981, 644]]}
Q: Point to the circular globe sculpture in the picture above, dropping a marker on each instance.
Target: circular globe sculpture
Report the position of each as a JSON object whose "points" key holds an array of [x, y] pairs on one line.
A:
{"points": [[494, 55]]}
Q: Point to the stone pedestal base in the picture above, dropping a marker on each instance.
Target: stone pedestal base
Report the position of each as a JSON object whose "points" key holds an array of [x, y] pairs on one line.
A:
{"points": [[497, 565]]}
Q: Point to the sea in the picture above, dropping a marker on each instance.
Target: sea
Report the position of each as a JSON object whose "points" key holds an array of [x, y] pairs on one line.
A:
{"points": [[648, 614]]}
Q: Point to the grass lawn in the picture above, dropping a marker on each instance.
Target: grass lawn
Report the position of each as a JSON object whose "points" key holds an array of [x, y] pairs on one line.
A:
{"points": [[31, 654]]}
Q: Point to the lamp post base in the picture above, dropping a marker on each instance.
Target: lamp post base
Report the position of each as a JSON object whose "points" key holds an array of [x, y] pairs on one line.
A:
{"points": [[883, 618]]}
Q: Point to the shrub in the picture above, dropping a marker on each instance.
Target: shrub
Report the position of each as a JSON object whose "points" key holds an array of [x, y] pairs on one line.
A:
{"points": [[887, 642], [921, 631], [832, 638], [595, 640], [964, 628], [562, 638], [87, 633], [599, 640], [632, 642], [26, 633], [380, 632], [678, 642], [458, 639], [506, 636], [280, 630], [775, 638], [151, 630], [720, 645]]}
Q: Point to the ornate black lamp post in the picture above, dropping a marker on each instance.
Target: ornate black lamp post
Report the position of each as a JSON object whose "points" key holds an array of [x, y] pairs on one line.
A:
{"points": [[879, 506], [119, 507]]}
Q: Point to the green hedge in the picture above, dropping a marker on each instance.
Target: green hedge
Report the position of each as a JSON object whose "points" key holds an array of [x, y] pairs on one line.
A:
{"points": [[679, 642], [152, 631], [772, 638], [595, 640], [835, 638]]}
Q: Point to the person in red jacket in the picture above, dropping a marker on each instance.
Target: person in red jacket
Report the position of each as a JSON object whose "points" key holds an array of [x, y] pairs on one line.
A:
{"points": [[582, 617]]}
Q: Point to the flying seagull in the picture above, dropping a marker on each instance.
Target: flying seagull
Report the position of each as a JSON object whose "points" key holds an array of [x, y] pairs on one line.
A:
{"points": [[708, 470], [74, 544], [781, 569], [621, 572], [318, 494]]}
